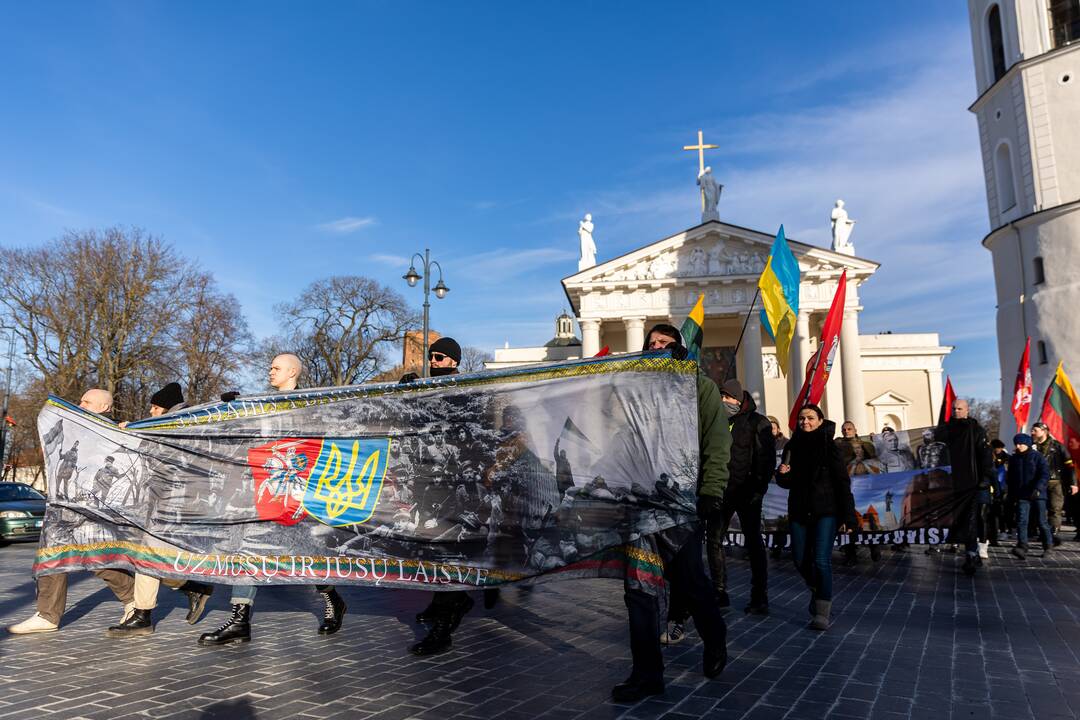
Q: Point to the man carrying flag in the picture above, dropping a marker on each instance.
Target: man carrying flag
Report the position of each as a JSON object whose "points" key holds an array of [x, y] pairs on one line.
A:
{"points": [[1060, 418], [779, 288]]}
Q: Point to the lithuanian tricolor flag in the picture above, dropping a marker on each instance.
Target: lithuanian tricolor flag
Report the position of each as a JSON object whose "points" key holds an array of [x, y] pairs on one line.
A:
{"points": [[1061, 413], [692, 333], [779, 284]]}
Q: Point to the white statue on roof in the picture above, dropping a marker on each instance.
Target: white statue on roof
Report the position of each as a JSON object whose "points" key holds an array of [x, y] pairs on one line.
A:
{"points": [[588, 246], [842, 226]]}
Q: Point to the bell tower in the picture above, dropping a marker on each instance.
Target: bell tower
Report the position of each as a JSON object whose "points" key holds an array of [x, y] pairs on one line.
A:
{"points": [[1027, 76]]}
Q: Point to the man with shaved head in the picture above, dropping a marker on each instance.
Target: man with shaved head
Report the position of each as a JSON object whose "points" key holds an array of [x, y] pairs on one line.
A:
{"points": [[973, 475], [284, 375], [52, 589]]}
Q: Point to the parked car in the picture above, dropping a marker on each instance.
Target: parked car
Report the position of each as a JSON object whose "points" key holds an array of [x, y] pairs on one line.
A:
{"points": [[22, 508]]}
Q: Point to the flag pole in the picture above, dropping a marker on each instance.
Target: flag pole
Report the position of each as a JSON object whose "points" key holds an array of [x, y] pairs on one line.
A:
{"points": [[757, 291]]}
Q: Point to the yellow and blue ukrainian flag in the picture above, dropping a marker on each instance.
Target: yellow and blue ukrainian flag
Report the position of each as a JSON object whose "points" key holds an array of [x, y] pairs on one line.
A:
{"points": [[692, 333], [779, 285]]}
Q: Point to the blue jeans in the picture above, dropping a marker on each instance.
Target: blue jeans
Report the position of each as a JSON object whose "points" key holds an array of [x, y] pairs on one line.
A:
{"points": [[815, 537], [243, 594], [1023, 508]]}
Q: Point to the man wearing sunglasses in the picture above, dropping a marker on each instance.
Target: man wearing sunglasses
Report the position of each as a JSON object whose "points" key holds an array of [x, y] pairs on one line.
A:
{"points": [[447, 609]]}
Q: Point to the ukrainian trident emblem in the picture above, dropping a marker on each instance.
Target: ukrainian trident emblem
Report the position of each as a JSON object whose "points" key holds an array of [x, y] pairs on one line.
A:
{"points": [[344, 485]]}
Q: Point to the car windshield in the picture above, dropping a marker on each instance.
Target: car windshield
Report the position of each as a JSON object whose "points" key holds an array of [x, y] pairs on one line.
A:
{"points": [[18, 491]]}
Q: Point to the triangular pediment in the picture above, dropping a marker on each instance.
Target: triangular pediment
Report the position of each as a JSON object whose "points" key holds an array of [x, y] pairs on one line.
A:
{"points": [[713, 250], [889, 399]]}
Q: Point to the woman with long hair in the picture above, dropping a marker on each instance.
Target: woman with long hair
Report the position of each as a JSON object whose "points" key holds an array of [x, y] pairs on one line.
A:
{"points": [[819, 505]]}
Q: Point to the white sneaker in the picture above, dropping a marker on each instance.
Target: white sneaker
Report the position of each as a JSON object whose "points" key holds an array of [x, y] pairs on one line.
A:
{"points": [[674, 634], [35, 624], [984, 550]]}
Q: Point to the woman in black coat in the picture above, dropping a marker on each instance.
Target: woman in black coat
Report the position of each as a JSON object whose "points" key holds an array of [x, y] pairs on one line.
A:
{"points": [[819, 504]]}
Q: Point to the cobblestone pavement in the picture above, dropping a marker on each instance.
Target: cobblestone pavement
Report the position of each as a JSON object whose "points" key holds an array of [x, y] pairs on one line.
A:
{"points": [[913, 638]]}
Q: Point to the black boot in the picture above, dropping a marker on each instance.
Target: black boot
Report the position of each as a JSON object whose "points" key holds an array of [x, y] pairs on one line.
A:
{"points": [[491, 598], [237, 629], [759, 604], [197, 596], [438, 639], [427, 615], [138, 624], [334, 613], [969, 565], [714, 661], [632, 691]]}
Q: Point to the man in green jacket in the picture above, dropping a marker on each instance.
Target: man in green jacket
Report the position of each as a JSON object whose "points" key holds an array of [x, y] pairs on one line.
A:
{"points": [[680, 548]]}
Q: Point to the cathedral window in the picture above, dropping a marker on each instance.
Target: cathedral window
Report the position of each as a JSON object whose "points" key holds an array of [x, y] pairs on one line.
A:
{"points": [[1040, 274], [1064, 21], [997, 42], [1003, 170], [1043, 360]]}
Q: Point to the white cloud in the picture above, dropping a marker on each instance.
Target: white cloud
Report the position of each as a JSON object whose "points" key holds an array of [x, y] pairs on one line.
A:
{"points": [[502, 264], [346, 225], [393, 260]]}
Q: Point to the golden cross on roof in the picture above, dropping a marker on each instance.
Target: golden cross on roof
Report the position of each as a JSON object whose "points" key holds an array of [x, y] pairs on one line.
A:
{"points": [[701, 147]]}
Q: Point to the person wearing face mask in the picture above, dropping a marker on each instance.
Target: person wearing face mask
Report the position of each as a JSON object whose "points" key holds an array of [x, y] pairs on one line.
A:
{"points": [[680, 549], [753, 460], [819, 505]]}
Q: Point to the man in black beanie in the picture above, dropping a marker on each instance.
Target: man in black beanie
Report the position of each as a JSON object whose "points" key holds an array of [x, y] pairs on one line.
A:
{"points": [[166, 400], [444, 356], [447, 609]]}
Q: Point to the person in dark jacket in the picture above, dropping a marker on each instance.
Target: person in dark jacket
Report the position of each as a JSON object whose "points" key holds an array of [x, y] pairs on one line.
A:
{"points": [[680, 550], [780, 537], [973, 477], [1028, 477], [753, 461], [1062, 485], [819, 504], [1002, 509]]}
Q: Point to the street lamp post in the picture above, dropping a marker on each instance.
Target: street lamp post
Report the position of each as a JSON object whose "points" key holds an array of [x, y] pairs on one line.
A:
{"points": [[7, 396], [440, 289]]}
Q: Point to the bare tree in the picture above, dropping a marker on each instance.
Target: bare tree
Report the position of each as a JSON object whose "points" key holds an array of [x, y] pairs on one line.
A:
{"points": [[473, 359], [345, 329], [988, 413], [121, 310]]}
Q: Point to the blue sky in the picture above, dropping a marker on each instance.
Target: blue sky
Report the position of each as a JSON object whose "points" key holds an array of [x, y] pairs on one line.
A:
{"points": [[278, 143]]}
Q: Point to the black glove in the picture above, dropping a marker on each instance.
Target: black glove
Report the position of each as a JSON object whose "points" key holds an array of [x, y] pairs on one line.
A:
{"points": [[229, 396], [408, 378], [677, 351], [709, 507]]}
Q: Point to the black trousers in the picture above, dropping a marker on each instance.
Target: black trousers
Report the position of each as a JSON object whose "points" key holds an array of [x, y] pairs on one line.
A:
{"points": [[685, 574], [716, 534]]}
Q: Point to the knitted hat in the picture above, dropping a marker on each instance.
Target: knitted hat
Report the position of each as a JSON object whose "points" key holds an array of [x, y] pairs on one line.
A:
{"points": [[168, 396], [732, 388], [1023, 439], [447, 346]]}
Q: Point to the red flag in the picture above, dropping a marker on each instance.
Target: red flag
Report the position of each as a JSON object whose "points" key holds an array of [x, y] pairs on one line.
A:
{"points": [[9, 420], [1021, 404], [945, 414], [821, 362], [603, 351]]}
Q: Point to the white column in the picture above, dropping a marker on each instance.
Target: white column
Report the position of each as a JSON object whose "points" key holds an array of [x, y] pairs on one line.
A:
{"points": [[635, 333], [937, 394], [851, 352], [753, 380], [590, 337], [800, 354]]}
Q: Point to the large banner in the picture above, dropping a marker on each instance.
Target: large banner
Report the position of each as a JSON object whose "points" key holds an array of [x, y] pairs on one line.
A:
{"points": [[902, 486], [460, 481]]}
